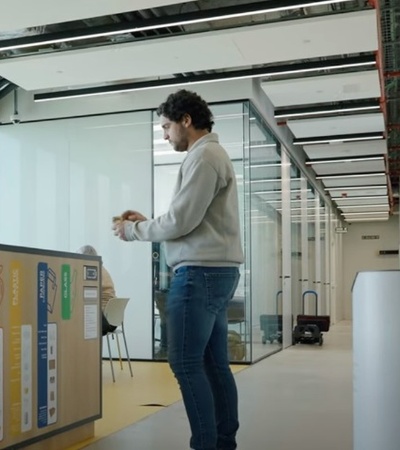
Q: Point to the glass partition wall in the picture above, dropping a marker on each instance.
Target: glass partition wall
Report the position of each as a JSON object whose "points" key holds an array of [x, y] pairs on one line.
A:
{"points": [[264, 254], [296, 242], [70, 176], [230, 122], [254, 312]]}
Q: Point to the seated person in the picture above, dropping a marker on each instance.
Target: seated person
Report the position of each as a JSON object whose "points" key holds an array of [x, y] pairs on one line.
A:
{"points": [[107, 288]]}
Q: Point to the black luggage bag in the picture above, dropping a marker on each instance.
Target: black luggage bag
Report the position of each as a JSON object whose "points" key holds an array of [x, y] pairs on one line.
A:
{"points": [[309, 328]]}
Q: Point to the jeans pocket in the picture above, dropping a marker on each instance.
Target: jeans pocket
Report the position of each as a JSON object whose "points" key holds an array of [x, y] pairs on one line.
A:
{"points": [[220, 288]]}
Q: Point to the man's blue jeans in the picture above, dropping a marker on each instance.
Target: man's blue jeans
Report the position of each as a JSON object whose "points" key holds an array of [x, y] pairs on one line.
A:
{"points": [[198, 352]]}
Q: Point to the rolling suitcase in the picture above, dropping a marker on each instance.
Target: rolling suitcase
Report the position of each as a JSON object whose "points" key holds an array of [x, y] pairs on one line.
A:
{"points": [[309, 328]]}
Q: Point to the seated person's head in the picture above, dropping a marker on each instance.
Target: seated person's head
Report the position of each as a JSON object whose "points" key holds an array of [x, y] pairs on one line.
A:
{"points": [[87, 250]]}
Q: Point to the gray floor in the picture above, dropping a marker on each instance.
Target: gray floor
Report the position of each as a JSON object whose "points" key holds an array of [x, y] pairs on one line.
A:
{"points": [[298, 399]]}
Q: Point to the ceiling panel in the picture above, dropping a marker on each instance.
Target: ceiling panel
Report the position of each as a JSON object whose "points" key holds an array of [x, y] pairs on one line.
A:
{"points": [[323, 89], [367, 216], [365, 208], [358, 192], [313, 37], [349, 167], [240, 47], [346, 150], [365, 201], [339, 125], [16, 14], [361, 181]]}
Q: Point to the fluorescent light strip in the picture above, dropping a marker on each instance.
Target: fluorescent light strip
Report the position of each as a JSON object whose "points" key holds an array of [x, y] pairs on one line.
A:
{"points": [[366, 213], [367, 219], [348, 160], [356, 188], [262, 145], [359, 175], [342, 139], [265, 181], [377, 205], [264, 165], [364, 197], [310, 208], [280, 192], [272, 180], [114, 89], [331, 111], [4, 86], [171, 24], [306, 216]]}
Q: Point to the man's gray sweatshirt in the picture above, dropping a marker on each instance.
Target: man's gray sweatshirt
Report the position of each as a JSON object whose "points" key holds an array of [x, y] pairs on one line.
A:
{"points": [[202, 226]]}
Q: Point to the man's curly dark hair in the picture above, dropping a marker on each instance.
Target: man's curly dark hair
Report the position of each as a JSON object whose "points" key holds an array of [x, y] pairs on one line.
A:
{"points": [[187, 102]]}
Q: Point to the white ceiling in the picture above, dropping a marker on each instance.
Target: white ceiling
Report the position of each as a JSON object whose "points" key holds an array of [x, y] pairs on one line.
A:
{"points": [[322, 89], [16, 14], [362, 181], [276, 42], [301, 39], [349, 167], [359, 192], [357, 201], [346, 150], [337, 125]]}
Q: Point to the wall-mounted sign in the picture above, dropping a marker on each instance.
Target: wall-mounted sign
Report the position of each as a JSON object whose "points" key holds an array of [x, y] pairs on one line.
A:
{"points": [[49, 327], [372, 236], [90, 273], [341, 229]]}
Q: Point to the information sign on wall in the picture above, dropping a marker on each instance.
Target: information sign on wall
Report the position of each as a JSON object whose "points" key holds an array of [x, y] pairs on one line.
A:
{"points": [[46, 322]]}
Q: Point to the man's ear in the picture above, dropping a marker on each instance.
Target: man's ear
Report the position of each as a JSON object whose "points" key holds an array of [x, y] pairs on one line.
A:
{"points": [[186, 120]]}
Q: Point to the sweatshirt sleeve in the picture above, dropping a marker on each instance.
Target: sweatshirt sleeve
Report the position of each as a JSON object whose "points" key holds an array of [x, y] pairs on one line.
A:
{"points": [[187, 209]]}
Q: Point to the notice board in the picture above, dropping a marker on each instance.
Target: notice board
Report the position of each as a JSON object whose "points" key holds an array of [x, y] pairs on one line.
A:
{"points": [[50, 343]]}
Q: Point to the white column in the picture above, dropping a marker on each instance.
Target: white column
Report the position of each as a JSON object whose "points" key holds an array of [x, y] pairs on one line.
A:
{"points": [[376, 357]]}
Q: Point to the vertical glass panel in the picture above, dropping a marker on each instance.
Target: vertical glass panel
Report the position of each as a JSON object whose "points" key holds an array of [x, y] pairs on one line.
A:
{"points": [[327, 277], [265, 194], [62, 182], [296, 251], [229, 125], [322, 260], [309, 299]]}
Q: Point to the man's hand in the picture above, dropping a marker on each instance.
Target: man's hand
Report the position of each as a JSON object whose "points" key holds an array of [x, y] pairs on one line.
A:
{"points": [[119, 230], [133, 216], [119, 222]]}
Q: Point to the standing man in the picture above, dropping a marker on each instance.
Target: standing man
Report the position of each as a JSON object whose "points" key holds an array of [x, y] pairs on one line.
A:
{"points": [[201, 232]]}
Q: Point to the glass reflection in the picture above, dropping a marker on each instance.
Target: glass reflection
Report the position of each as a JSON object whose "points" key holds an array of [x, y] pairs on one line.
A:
{"points": [[263, 160], [255, 313], [229, 120]]}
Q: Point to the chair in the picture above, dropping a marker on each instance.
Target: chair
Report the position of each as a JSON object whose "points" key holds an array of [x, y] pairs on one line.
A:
{"points": [[236, 312], [114, 313]]}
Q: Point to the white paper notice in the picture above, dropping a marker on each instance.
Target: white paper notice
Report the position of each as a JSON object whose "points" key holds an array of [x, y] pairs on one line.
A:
{"points": [[26, 378], [52, 373], [90, 293], [91, 314], [1, 384]]}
